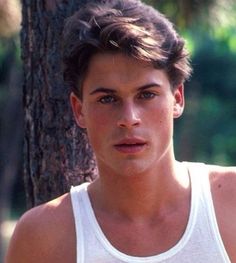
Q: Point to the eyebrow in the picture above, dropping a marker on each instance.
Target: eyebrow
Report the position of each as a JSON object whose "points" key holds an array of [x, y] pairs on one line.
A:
{"points": [[104, 90], [112, 91], [150, 85]]}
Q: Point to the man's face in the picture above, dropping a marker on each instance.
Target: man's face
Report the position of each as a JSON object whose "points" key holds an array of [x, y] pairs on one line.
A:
{"points": [[128, 109]]}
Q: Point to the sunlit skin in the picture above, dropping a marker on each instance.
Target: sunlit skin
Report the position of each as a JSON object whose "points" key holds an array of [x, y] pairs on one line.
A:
{"points": [[128, 109], [141, 198]]}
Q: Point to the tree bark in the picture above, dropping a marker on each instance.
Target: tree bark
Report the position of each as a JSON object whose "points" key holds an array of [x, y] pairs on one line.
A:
{"points": [[57, 154]]}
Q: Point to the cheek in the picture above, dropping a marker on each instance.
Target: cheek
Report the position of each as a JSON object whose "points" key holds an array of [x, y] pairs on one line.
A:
{"points": [[161, 113], [162, 121], [97, 118], [98, 131]]}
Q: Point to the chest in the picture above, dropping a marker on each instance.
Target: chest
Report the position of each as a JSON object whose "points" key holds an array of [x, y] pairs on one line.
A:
{"points": [[145, 239]]}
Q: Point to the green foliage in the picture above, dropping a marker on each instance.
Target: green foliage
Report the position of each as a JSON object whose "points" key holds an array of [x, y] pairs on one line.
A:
{"points": [[211, 93], [9, 58], [184, 13]]}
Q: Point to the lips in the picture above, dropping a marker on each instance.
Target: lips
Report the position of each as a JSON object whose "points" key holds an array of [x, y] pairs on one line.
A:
{"points": [[131, 145]]}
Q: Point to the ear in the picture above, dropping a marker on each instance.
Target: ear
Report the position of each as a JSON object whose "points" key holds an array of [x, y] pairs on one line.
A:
{"points": [[77, 108], [178, 101]]}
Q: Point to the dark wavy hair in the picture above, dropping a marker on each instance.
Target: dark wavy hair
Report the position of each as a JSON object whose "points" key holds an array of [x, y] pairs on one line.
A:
{"points": [[127, 26]]}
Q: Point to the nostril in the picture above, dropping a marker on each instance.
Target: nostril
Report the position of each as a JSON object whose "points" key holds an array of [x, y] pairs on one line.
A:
{"points": [[127, 123]]}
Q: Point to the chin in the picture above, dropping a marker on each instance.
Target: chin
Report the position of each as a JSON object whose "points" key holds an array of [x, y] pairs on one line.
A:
{"points": [[132, 168]]}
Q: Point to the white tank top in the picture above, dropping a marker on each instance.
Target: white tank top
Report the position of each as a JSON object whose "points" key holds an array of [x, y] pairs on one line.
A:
{"points": [[200, 243]]}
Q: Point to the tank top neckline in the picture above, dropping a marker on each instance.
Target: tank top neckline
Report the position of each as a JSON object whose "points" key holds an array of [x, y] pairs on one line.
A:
{"points": [[159, 257]]}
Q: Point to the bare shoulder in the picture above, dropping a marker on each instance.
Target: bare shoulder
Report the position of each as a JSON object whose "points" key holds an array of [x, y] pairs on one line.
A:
{"points": [[223, 180], [41, 231], [223, 187]]}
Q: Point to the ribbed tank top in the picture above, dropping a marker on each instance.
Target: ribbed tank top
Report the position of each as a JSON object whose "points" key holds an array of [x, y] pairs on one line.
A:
{"points": [[200, 243]]}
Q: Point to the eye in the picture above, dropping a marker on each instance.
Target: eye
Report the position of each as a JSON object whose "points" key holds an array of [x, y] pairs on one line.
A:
{"points": [[147, 95], [107, 99]]}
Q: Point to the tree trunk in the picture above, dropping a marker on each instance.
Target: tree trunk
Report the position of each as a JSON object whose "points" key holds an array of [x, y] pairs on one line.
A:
{"points": [[57, 154]]}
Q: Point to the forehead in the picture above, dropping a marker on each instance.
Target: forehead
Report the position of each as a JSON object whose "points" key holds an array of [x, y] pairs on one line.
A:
{"points": [[106, 69]]}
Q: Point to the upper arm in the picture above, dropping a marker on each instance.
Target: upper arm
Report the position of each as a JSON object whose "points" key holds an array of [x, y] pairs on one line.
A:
{"points": [[223, 185], [25, 245], [45, 234]]}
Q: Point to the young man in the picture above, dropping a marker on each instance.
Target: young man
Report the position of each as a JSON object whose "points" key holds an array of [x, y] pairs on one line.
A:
{"points": [[126, 66]]}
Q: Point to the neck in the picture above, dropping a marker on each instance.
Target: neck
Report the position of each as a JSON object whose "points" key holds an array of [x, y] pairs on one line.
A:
{"points": [[142, 195]]}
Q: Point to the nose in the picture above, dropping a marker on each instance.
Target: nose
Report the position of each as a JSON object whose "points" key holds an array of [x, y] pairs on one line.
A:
{"points": [[129, 116]]}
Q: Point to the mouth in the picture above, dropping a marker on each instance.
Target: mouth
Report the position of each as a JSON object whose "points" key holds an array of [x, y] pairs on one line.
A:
{"points": [[131, 146]]}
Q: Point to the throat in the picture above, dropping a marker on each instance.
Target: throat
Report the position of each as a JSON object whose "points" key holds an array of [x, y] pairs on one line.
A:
{"points": [[141, 197], [141, 203]]}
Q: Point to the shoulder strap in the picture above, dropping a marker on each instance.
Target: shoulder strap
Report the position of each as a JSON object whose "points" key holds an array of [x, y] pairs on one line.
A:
{"points": [[76, 201], [200, 176]]}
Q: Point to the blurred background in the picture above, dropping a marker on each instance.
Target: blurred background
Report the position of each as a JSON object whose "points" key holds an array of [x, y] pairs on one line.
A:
{"points": [[205, 133]]}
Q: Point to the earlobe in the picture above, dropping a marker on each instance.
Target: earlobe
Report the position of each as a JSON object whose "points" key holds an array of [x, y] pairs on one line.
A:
{"points": [[178, 101], [77, 109], [177, 111]]}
